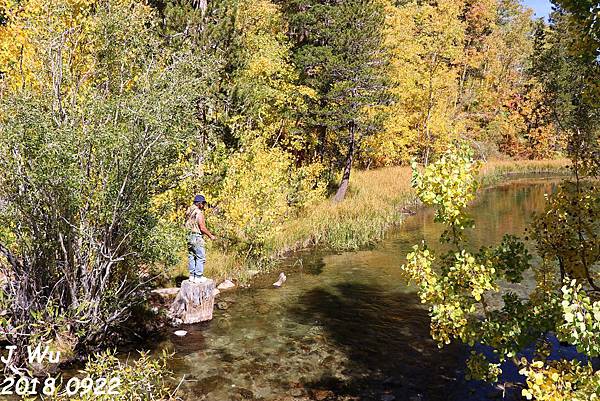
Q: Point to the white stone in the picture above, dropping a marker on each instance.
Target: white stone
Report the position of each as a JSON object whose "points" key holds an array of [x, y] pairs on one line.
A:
{"points": [[282, 278], [226, 285]]}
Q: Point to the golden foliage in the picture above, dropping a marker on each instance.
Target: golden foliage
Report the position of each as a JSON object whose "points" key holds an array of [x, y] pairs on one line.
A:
{"points": [[260, 191], [424, 42], [41, 37]]}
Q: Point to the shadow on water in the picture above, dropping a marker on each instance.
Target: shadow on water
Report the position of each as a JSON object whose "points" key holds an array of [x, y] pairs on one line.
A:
{"points": [[386, 339]]}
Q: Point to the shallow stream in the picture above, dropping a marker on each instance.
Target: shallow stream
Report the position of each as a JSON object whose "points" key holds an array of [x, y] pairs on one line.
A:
{"points": [[344, 326]]}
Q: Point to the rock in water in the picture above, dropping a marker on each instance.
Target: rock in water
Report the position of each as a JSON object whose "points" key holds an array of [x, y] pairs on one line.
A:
{"points": [[194, 302], [226, 285], [280, 280]]}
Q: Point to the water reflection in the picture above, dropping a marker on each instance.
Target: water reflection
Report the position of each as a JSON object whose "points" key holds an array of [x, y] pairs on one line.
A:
{"points": [[344, 326]]}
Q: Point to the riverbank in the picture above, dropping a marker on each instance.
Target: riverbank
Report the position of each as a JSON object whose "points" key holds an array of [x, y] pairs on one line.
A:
{"points": [[376, 201]]}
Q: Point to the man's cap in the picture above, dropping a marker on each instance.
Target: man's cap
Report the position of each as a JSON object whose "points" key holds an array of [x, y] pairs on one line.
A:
{"points": [[199, 199]]}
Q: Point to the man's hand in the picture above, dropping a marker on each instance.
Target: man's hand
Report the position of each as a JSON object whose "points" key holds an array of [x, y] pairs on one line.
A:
{"points": [[212, 237]]}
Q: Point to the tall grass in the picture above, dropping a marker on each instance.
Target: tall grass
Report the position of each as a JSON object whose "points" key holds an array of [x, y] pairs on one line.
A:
{"points": [[377, 200], [497, 170]]}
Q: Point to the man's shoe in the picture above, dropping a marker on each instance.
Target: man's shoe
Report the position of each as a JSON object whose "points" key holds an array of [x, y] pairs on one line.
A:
{"points": [[202, 279], [193, 279]]}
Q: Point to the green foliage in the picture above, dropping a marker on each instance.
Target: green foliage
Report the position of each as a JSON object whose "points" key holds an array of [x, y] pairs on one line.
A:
{"points": [[480, 368], [581, 319], [338, 50], [458, 287], [449, 184], [568, 70], [511, 258], [518, 323], [78, 173], [144, 378]]}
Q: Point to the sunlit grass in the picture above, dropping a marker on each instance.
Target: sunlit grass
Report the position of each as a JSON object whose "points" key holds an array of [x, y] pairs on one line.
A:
{"points": [[499, 169], [375, 202]]}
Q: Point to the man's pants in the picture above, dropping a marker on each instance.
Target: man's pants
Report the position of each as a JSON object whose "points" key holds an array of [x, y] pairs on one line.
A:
{"points": [[196, 255]]}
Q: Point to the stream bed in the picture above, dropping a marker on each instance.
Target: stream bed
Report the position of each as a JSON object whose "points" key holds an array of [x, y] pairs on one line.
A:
{"points": [[344, 326]]}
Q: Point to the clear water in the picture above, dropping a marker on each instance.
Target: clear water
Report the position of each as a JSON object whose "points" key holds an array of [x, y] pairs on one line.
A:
{"points": [[344, 326]]}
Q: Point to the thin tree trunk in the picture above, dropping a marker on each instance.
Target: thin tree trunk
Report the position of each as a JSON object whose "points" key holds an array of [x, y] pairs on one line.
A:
{"points": [[463, 77], [341, 192], [428, 139], [321, 145], [580, 229]]}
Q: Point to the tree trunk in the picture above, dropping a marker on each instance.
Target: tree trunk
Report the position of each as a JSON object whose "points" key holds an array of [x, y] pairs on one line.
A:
{"points": [[341, 192], [194, 303], [321, 144], [428, 138]]}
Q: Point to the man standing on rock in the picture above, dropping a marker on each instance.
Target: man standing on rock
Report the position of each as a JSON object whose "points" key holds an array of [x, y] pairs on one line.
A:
{"points": [[196, 225]]}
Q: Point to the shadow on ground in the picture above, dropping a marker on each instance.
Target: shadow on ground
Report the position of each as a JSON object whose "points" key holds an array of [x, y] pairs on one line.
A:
{"points": [[386, 339]]}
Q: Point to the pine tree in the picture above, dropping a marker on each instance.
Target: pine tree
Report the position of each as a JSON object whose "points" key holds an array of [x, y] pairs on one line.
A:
{"points": [[570, 75], [339, 51]]}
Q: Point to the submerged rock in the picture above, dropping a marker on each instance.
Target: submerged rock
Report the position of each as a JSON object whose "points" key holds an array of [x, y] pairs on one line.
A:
{"points": [[321, 395], [166, 292], [245, 393], [211, 383]]}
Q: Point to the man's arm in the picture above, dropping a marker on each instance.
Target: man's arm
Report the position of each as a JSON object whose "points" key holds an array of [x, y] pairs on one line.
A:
{"points": [[203, 229]]}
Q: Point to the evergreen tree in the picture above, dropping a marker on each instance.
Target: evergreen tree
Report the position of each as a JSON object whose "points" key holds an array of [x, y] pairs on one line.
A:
{"points": [[569, 73], [339, 52]]}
